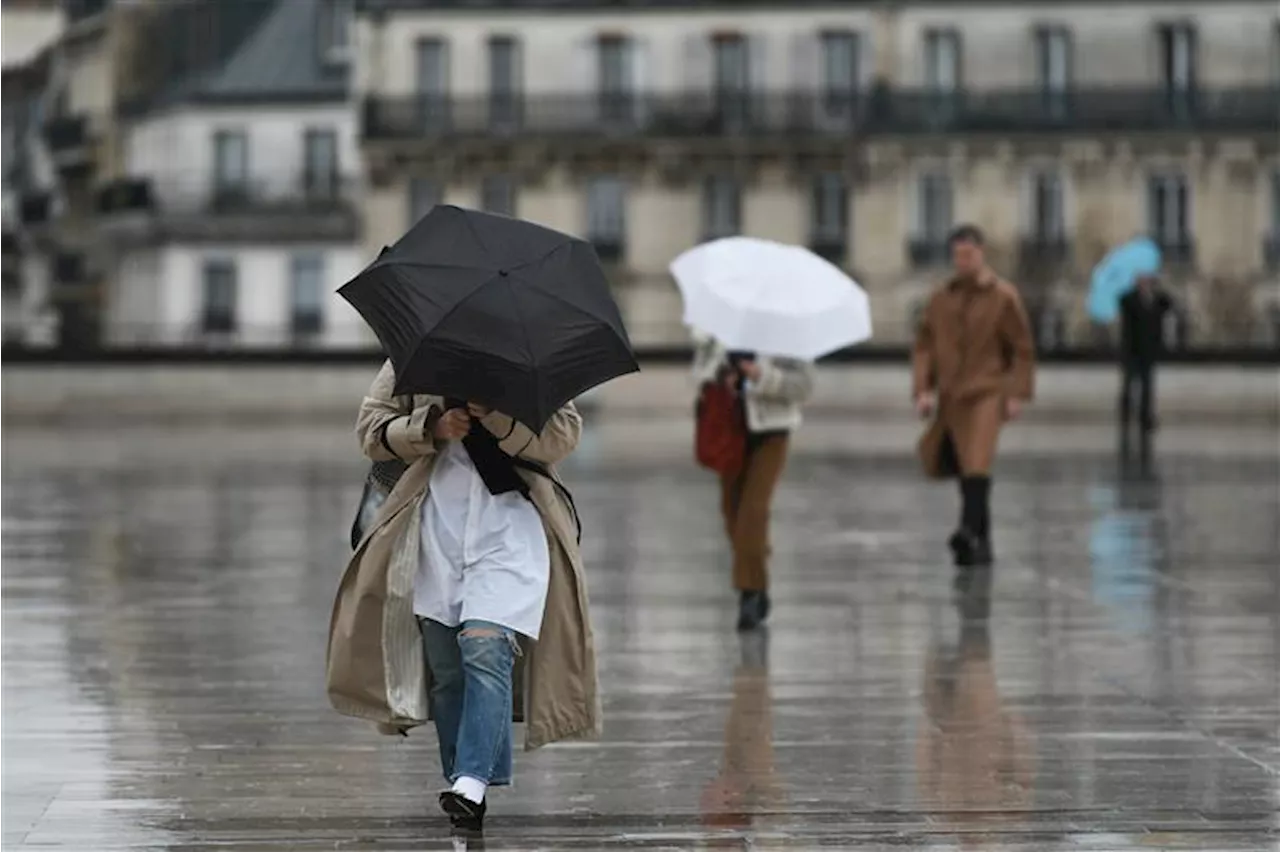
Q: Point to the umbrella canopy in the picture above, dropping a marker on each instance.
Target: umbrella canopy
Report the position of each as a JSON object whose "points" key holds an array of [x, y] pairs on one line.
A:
{"points": [[494, 310], [1114, 276], [770, 298]]}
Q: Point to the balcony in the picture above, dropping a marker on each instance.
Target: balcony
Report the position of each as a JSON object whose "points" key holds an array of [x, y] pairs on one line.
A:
{"points": [[70, 140], [35, 209], [1044, 251], [1180, 251], [928, 251], [787, 115], [127, 195], [144, 211], [10, 269]]}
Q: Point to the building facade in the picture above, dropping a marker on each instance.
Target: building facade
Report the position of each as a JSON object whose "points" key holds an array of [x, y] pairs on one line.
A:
{"points": [[29, 30], [862, 129], [201, 175], [233, 218]]}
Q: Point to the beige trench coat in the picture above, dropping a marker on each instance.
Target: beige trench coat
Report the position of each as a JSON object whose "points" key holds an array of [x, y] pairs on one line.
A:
{"points": [[376, 668]]}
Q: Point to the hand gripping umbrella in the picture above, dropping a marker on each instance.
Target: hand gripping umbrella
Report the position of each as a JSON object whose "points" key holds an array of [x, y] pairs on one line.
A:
{"points": [[495, 310]]}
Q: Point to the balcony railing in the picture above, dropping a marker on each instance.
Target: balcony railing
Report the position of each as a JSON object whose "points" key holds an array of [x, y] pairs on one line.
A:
{"points": [[928, 251], [1044, 250], [35, 209], [1180, 251], [67, 133], [304, 208], [903, 111], [127, 195]]}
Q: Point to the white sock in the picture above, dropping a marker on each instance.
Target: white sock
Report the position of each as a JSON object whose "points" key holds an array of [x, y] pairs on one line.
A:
{"points": [[471, 789]]}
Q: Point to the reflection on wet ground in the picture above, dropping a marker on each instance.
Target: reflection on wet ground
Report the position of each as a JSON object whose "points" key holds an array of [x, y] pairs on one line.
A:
{"points": [[1113, 684]]}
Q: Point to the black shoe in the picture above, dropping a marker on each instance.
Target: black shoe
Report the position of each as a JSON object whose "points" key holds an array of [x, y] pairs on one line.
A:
{"points": [[464, 814], [982, 554], [753, 608], [962, 544]]}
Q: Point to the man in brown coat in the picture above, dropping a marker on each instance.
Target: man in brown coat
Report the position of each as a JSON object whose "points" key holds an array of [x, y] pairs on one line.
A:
{"points": [[973, 367]]}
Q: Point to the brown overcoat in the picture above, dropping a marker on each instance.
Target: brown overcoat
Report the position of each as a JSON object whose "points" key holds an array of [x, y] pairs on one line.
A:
{"points": [[376, 668], [974, 349]]}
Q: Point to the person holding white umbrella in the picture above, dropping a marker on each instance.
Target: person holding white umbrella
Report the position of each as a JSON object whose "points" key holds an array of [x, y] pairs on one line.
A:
{"points": [[764, 312]]}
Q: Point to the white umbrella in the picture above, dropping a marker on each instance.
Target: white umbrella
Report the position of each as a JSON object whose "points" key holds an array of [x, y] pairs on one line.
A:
{"points": [[770, 298]]}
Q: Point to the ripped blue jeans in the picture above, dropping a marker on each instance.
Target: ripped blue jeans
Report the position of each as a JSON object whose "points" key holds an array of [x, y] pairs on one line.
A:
{"points": [[471, 674]]}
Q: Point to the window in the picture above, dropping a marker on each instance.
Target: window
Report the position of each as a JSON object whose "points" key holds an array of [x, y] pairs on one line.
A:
{"points": [[942, 61], [1168, 214], [1053, 68], [306, 294], [498, 194], [1046, 222], [607, 216], [230, 165], [218, 304], [732, 78], [934, 213], [932, 219], [320, 158], [432, 81], [335, 30], [840, 69], [722, 207], [829, 231], [1053, 59], [615, 58], [1178, 65], [424, 194], [504, 81]]}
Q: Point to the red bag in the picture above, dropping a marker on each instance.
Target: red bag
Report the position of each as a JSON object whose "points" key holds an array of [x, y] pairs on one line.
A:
{"points": [[720, 441]]}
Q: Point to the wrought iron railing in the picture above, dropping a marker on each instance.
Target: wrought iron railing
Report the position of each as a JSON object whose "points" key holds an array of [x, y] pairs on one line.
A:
{"points": [[881, 111]]}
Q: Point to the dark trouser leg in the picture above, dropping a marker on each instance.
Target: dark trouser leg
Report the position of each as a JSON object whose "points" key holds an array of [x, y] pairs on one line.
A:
{"points": [[1127, 375], [1146, 376], [976, 506]]}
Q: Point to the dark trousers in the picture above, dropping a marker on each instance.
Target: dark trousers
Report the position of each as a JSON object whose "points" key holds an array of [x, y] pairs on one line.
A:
{"points": [[1138, 377], [975, 494]]}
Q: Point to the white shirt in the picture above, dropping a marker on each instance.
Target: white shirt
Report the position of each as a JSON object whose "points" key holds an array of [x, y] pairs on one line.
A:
{"points": [[482, 556]]}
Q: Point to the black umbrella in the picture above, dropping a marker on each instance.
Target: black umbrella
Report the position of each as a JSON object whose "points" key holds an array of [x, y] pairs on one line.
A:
{"points": [[494, 310]]}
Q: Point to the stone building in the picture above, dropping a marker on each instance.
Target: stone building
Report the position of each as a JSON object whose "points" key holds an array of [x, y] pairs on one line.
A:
{"points": [[199, 178], [862, 129]]}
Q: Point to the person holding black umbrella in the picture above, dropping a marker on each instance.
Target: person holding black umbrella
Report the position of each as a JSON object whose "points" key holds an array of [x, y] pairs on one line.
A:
{"points": [[465, 601]]}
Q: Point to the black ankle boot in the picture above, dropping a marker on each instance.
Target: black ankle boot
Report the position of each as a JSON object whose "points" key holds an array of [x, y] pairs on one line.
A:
{"points": [[962, 544], [753, 608]]}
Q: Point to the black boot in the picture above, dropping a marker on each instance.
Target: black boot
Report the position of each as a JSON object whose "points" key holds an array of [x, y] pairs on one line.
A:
{"points": [[962, 543], [753, 609]]}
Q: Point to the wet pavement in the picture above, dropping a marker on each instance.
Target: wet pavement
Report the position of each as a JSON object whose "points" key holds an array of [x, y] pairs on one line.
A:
{"points": [[1114, 684]]}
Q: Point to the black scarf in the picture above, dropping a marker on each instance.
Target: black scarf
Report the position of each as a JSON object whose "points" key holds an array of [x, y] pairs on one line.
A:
{"points": [[496, 468]]}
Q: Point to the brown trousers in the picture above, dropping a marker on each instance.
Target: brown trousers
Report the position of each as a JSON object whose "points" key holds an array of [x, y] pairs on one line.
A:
{"points": [[745, 500]]}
